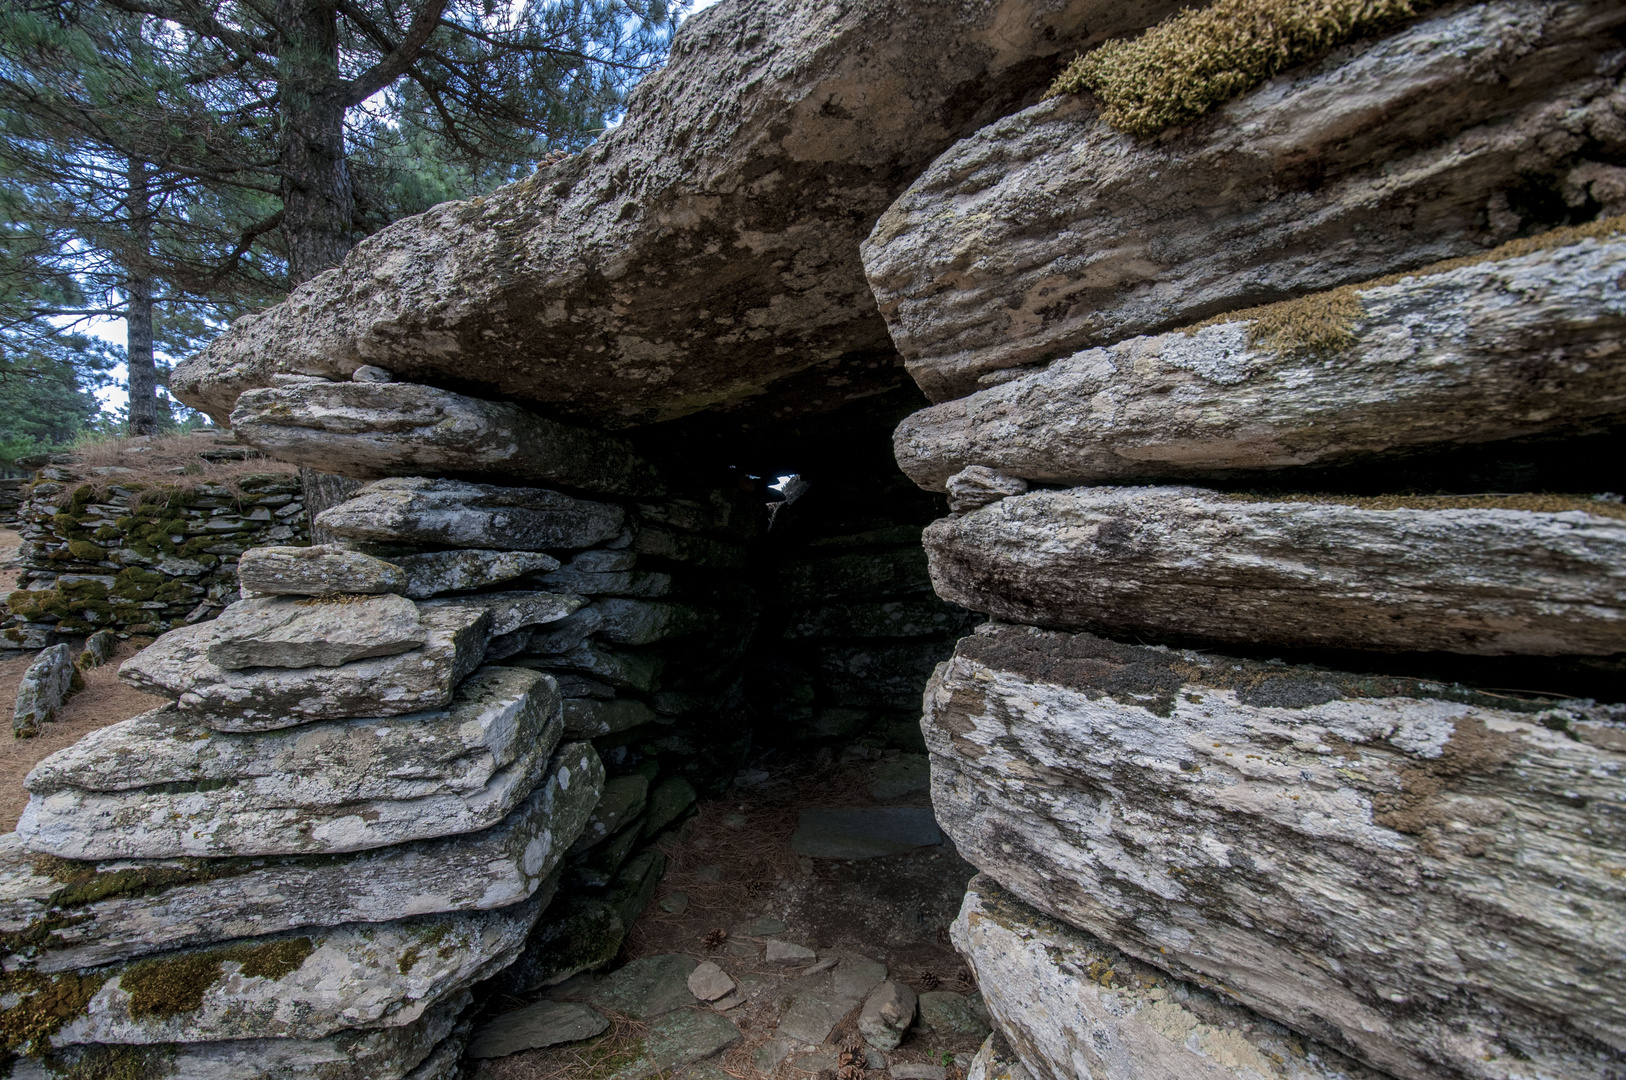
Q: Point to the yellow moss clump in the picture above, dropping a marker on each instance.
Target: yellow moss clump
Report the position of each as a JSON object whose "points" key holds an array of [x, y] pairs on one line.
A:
{"points": [[1189, 63], [176, 984], [1325, 322], [44, 1004]]}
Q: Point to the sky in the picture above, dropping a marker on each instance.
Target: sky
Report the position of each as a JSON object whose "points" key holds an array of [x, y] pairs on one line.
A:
{"points": [[112, 330]]}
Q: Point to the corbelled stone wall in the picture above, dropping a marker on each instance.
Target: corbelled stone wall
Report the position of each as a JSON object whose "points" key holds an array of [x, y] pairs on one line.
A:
{"points": [[138, 558]]}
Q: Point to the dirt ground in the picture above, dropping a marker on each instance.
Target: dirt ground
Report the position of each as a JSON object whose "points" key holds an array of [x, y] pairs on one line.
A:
{"points": [[735, 863], [103, 701]]}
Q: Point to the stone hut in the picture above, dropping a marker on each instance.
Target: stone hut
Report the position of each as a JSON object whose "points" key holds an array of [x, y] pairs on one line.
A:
{"points": [[1224, 444]]}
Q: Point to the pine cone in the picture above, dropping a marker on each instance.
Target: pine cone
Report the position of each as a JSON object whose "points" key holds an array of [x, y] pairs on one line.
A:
{"points": [[714, 939], [850, 1072], [852, 1055], [929, 980]]}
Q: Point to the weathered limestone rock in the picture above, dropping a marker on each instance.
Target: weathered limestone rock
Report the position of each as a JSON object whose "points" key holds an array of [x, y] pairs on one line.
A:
{"points": [[639, 583], [42, 690], [544, 1023], [66, 915], [98, 649], [1050, 232], [370, 430], [511, 611], [731, 198], [314, 632], [176, 666], [378, 1054], [463, 569], [623, 799], [415, 510], [1475, 578], [1074, 1006], [1415, 874], [997, 1061], [887, 1014], [302, 986], [321, 570], [639, 672], [1493, 351], [340, 786], [588, 718], [975, 486]]}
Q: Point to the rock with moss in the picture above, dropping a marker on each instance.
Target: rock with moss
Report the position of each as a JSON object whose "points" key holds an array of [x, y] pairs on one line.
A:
{"points": [[660, 275], [589, 717], [622, 800], [432, 573], [1456, 354], [417, 510], [58, 915], [1068, 1002], [1490, 575], [1370, 861], [176, 666], [321, 570], [388, 1053], [43, 689], [511, 611], [372, 430], [578, 934], [163, 785], [302, 985], [1041, 235], [318, 631]]}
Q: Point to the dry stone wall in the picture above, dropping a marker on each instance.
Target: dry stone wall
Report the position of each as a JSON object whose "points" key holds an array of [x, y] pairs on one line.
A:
{"points": [[138, 559]]}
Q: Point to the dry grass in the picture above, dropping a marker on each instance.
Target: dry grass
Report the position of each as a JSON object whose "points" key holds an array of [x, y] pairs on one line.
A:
{"points": [[1191, 62], [1325, 322], [167, 464], [620, 1045]]}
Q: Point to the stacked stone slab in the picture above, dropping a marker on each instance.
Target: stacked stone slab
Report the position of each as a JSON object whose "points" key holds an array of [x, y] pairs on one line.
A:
{"points": [[1197, 863], [648, 656], [101, 555], [345, 820]]}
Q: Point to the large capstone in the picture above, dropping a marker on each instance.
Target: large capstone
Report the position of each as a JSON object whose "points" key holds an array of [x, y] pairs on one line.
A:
{"points": [[415, 510], [314, 632]]}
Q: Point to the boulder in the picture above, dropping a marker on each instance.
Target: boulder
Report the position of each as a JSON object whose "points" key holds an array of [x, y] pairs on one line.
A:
{"points": [[99, 649], [704, 251], [1075, 1007], [378, 1054], [949, 1014], [66, 915], [314, 631], [42, 690], [415, 510], [291, 986], [708, 982], [176, 666], [321, 570], [1050, 232], [887, 1014], [371, 430], [1413, 873], [544, 1023], [463, 569], [1484, 352], [1538, 575]]}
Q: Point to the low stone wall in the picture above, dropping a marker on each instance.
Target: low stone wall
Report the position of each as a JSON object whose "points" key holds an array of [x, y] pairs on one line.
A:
{"points": [[137, 559]]}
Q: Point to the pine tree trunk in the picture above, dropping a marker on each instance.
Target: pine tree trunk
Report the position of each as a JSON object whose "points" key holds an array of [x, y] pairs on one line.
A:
{"points": [[324, 490], [143, 377], [318, 203]]}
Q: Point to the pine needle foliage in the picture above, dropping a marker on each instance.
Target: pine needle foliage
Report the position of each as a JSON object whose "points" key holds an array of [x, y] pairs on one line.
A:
{"points": [[1202, 57]]}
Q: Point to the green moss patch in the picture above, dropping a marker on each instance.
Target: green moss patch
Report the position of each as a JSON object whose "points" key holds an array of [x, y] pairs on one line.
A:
{"points": [[1202, 57], [1325, 322], [112, 1062], [45, 1003], [171, 985]]}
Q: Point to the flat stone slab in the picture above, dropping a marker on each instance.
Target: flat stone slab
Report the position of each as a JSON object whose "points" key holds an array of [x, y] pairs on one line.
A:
{"points": [[297, 986], [432, 573], [318, 570], [1039, 235], [314, 631], [589, 717], [949, 1013], [1356, 850], [81, 914], [708, 982], [1481, 353], [1469, 575], [344, 786], [379, 1054], [864, 834], [894, 778], [676, 1039], [370, 429], [511, 611], [1054, 987], [415, 510], [647, 987], [176, 666], [546, 1023], [42, 690]]}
